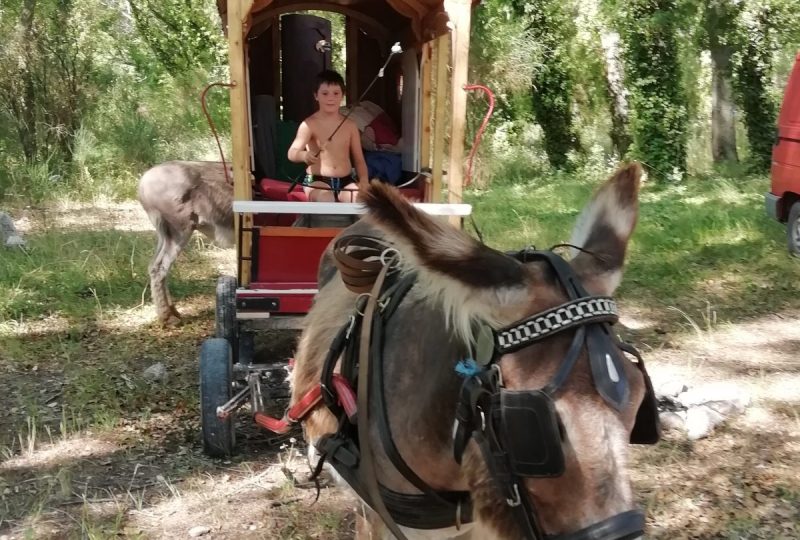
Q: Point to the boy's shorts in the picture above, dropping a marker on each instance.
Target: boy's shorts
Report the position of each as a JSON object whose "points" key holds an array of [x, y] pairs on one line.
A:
{"points": [[335, 183]]}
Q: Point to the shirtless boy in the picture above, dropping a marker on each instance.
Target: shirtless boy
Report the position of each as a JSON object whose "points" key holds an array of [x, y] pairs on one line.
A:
{"points": [[330, 162]]}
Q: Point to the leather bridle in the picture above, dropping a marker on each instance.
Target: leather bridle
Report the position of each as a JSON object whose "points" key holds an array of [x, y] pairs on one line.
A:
{"points": [[519, 433], [487, 412]]}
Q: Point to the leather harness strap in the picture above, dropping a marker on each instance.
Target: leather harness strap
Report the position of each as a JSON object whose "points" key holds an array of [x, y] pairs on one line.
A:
{"points": [[486, 412], [364, 258], [367, 457], [456, 504], [359, 260]]}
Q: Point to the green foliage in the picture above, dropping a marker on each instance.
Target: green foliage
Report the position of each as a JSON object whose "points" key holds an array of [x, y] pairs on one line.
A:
{"points": [[51, 63], [552, 100], [551, 26], [502, 55], [86, 104], [718, 23], [183, 34], [502, 58], [595, 109], [94, 92], [658, 101], [753, 67]]}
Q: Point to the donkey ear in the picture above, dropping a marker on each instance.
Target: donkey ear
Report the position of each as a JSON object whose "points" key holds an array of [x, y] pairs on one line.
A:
{"points": [[469, 279], [604, 228]]}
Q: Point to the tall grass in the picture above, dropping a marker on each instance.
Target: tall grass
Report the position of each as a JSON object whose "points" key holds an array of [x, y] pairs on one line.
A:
{"points": [[706, 241], [80, 274], [69, 273], [71, 307]]}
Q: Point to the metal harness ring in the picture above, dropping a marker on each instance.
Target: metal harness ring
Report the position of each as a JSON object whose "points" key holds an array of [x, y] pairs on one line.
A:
{"points": [[389, 250]]}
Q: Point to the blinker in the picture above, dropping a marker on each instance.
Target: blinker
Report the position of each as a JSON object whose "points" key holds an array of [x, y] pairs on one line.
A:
{"points": [[530, 432], [483, 349]]}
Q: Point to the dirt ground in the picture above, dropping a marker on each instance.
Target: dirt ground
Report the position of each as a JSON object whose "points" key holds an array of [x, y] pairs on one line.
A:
{"points": [[142, 474]]}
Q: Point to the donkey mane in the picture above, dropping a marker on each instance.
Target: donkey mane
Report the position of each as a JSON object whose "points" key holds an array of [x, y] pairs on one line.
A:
{"points": [[455, 270]]}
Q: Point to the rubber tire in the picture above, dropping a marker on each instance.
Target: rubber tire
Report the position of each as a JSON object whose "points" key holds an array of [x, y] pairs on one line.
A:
{"points": [[793, 230], [226, 310], [216, 376]]}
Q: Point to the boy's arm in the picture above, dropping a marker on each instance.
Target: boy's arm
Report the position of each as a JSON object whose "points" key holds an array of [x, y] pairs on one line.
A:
{"points": [[358, 156], [298, 151]]}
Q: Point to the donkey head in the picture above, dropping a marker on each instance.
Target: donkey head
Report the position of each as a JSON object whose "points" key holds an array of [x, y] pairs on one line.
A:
{"points": [[589, 415]]}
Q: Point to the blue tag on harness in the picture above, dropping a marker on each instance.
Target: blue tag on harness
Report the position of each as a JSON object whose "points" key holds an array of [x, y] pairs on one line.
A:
{"points": [[467, 367]]}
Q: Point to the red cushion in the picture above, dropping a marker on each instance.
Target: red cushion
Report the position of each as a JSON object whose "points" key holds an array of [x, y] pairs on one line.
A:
{"points": [[277, 190], [383, 127], [415, 192]]}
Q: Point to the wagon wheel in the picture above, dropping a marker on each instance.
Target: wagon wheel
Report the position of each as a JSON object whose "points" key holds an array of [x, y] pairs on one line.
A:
{"points": [[226, 310], [216, 377], [793, 230]]}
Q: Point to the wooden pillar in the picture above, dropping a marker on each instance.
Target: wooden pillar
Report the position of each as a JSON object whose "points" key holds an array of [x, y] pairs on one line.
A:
{"points": [[238, 14], [426, 95], [459, 12], [442, 48]]}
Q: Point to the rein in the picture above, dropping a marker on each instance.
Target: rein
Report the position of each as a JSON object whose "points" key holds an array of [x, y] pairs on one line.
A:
{"points": [[367, 464], [370, 264]]}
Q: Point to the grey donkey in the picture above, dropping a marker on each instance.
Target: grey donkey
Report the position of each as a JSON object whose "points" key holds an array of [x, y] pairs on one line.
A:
{"points": [[181, 197]]}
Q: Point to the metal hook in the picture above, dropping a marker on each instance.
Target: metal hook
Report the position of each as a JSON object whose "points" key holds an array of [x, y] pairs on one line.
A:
{"points": [[516, 500], [351, 324], [496, 367], [323, 46]]}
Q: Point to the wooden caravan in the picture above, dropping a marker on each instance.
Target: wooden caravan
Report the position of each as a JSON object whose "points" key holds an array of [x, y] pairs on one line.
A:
{"points": [[273, 50], [412, 117]]}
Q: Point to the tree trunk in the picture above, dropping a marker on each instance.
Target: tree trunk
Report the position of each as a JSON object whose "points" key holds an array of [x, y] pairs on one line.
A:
{"points": [[618, 94], [27, 131], [723, 110]]}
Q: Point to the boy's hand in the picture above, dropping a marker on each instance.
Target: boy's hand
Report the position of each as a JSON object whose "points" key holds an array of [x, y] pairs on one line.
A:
{"points": [[310, 158]]}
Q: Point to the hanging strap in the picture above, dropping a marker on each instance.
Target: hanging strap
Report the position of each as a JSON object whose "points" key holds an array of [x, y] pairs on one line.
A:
{"points": [[367, 457]]}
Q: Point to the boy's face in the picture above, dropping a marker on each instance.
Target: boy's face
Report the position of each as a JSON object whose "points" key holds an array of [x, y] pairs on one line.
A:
{"points": [[329, 97]]}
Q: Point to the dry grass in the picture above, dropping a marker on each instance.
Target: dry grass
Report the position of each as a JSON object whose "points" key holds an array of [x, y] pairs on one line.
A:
{"points": [[89, 449], [743, 481]]}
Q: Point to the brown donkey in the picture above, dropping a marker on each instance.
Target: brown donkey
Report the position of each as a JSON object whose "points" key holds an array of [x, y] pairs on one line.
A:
{"points": [[181, 197], [530, 465]]}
